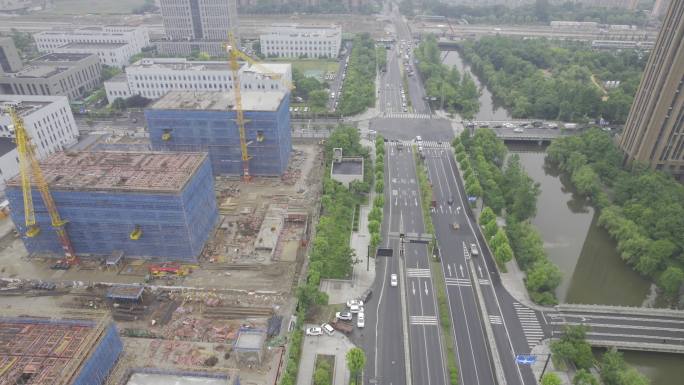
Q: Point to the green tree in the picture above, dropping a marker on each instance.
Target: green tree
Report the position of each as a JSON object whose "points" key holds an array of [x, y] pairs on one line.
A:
{"points": [[490, 229], [584, 377], [573, 347], [318, 99], [487, 215], [671, 281], [551, 379], [356, 360]]}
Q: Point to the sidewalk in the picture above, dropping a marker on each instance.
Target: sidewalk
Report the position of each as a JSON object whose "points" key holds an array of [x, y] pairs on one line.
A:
{"points": [[336, 345]]}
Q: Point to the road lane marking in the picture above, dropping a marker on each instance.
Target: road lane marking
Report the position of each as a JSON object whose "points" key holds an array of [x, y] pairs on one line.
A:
{"points": [[495, 320], [422, 273], [457, 282], [423, 320]]}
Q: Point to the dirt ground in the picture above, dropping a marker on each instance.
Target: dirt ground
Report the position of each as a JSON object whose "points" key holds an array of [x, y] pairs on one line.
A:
{"points": [[179, 322]]}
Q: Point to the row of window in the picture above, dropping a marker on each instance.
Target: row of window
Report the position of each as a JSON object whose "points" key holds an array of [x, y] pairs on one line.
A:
{"points": [[302, 42]]}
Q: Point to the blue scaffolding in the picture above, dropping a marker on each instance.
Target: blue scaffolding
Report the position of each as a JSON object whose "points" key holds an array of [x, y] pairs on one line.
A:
{"points": [[175, 226], [216, 132]]}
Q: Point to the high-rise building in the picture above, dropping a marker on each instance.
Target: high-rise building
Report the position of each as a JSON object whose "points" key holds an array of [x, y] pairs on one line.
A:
{"points": [[654, 131], [201, 25], [9, 57]]}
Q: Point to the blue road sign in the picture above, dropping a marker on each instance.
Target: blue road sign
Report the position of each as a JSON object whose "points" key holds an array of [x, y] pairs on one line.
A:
{"points": [[525, 359], [472, 199]]}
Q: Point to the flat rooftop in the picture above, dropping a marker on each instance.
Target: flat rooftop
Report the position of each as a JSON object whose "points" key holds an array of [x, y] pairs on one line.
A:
{"points": [[39, 71], [43, 347], [29, 103], [219, 101], [61, 57], [77, 45], [348, 166], [182, 64], [145, 172]]}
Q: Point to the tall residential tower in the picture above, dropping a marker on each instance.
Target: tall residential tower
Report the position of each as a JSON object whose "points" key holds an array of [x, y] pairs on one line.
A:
{"points": [[654, 131]]}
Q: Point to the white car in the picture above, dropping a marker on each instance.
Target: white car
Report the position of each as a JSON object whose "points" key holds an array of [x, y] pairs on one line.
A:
{"points": [[473, 249], [315, 331], [353, 302], [355, 309], [328, 329], [419, 139], [518, 130], [394, 280], [344, 315], [361, 320]]}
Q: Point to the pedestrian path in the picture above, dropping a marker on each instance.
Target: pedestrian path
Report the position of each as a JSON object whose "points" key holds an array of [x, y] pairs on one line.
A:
{"points": [[406, 115], [420, 273], [530, 324], [423, 320], [424, 144]]}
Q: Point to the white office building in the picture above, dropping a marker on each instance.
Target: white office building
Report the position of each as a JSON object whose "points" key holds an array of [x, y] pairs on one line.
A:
{"points": [[113, 45], [153, 78], [49, 123], [299, 41]]}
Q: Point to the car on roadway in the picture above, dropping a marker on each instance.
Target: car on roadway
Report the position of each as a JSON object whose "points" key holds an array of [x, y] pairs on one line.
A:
{"points": [[344, 315], [419, 139], [450, 201], [328, 329], [356, 302], [518, 130], [315, 331], [455, 226], [473, 250], [394, 280], [360, 320]]}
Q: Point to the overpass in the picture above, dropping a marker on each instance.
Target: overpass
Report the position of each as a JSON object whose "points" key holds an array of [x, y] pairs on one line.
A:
{"points": [[530, 134], [626, 328]]}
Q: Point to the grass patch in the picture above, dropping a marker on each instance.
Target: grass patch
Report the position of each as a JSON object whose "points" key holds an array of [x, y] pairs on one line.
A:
{"points": [[323, 374], [76, 7], [305, 65]]}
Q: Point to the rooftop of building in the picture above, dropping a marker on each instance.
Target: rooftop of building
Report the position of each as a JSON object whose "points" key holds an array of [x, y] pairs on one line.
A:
{"points": [[90, 30], [118, 78], [305, 30], [183, 64], [78, 45], [47, 349], [348, 166], [250, 340], [67, 57], [6, 145], [220, 101], [145, 172], [28, 104]]}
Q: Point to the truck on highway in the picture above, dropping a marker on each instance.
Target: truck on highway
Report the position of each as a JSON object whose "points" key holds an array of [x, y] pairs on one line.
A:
{"points": [[342, 326]]}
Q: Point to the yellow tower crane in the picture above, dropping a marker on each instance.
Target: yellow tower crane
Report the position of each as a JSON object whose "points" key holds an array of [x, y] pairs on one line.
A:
{"points": [[29, 166], [234, 54]]}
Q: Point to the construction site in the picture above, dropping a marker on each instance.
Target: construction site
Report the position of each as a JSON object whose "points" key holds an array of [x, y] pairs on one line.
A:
{"points": [[218, 318]]}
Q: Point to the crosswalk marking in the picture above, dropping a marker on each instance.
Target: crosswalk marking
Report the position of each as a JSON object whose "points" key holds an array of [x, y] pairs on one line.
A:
{"points": [[428, 144], [458, 282], [406, 115], [495, 319], [530, 324], [423, 320], [420, 273]]}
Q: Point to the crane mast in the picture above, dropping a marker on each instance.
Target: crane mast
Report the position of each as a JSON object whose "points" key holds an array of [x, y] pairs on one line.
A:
{"points": [[29, 166], [233, 54]]}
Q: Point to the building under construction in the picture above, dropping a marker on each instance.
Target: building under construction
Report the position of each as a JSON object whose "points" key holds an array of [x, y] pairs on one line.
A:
{"points": [[57, 352], [135, 204], [206, 121]]}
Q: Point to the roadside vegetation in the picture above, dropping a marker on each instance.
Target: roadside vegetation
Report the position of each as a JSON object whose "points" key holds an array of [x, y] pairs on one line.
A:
{"points": [[358, 91], [356, 361], [453, 92], [507, 191], [642, 209], [545, 79], [436, 270], [538, 12], [330, 255], [323, 372], [375, 215], [572, 348]]}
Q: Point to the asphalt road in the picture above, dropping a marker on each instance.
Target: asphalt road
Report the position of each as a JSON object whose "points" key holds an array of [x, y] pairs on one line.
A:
{"points": [[425, 348]]}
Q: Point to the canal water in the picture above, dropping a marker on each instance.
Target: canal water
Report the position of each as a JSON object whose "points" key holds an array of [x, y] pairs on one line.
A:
{"points": [[593, 272]]}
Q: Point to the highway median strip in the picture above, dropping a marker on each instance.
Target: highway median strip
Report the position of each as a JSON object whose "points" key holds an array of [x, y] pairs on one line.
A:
{"points": [[437, 273]]}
